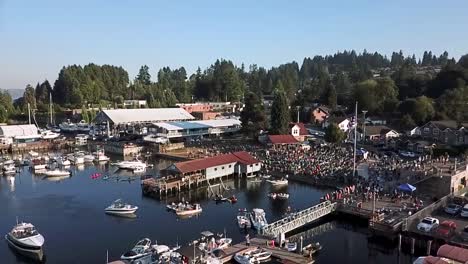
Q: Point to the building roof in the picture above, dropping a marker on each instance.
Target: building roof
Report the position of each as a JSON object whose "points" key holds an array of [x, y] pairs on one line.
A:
{"points": [[282, 139], [302, 128], [18, 130], [145, 115], [377, 130], [324, 109], [337, 119], [201, 164], [451, 124], [198, 124]]}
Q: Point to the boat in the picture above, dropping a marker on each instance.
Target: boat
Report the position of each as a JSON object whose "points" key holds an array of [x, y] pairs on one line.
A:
{"points": [[278, 182], [83, 127], [9, 168], [139, 169], [291, 246], [252, 256], [56, 173], [78, 159], [266, 176], [68, 127], [47, 134], [209, 243], [250, 176], [141, 249], [88, 158], [118, 207], [130, 165], [101, 156], [311, 249], [258, 219], [63, 162], [189, 210], [283, 196], [39, 166], [26, 239], [243, 220]]}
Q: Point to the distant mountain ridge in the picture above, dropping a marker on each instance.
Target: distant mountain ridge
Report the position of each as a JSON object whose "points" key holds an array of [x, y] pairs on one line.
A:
{"points": [[15, 93]]}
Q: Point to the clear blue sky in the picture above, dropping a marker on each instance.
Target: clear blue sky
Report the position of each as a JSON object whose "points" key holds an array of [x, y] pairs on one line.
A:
{"points": [[39, 37]]}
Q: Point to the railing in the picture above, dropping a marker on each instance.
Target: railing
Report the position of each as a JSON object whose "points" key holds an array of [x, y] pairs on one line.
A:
{"points": [[298, 219]]}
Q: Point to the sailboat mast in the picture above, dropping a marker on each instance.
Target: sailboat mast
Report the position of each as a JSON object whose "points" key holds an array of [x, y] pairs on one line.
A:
{"points": [[355, 140], [50, 109]]}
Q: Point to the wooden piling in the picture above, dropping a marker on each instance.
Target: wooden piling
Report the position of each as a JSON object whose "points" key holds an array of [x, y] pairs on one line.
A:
{"points": [[413, 241], [399, 242], [428, 250]]}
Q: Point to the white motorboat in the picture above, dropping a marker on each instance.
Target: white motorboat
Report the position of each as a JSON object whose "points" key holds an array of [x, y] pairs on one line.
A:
{"points": [[63, 162], [278, 182], [47, 134], [260, 254], [9, 168], [243, 220], [56, 173], [223, 243], [282, 196], [141, 249], [118, 207], [89, 158], [258, 218], [26, 239], [139, 169], [252, 256], [39, 166], [189, 210], [78, 160], [130, 165], [101, 156]]}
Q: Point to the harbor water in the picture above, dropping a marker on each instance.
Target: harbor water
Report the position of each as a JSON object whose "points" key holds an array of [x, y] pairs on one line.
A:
{"points": [[69, 213]]}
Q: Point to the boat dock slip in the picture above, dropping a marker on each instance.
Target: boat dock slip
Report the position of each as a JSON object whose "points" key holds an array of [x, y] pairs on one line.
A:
{"points": [[277, 252]]}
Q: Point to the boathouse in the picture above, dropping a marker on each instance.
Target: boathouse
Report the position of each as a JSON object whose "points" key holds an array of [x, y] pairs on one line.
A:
{"points": [[18, 134], [237, 163], [185, 129]]}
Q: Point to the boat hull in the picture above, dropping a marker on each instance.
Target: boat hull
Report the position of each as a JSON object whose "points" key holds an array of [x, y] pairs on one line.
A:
{"points": [[31, 252], [120, 212], [188, 212]]}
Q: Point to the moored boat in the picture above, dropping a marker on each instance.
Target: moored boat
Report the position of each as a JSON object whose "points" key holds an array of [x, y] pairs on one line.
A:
{"points": [[243, 219], [118, 207], [189, 210], [278, 182], [56, 173], [141, 249], [258, 218]]}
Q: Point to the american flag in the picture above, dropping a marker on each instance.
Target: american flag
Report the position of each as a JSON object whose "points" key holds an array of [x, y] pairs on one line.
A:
{"points": [[352, 123]]}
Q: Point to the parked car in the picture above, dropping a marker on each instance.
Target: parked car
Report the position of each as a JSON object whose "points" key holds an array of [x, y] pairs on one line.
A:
{"points": [[464, 211], [453, 209], [464, 233], [428, 224], [446, 228]]}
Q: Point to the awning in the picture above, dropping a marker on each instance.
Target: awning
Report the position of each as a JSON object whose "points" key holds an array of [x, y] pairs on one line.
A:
{"points": [[406, 187]]}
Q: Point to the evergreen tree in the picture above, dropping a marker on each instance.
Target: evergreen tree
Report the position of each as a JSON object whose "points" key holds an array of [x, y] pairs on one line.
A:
{"points": [[3, 114], [253, 117], [334, 134], [29, 97], [143, 77], [332, 97], [279, 112]]}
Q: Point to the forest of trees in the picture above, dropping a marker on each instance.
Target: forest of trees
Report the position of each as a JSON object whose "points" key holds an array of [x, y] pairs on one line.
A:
{"points": [[400, 85]]}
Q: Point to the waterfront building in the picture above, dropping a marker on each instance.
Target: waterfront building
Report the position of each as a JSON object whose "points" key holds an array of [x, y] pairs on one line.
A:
{"points": [[200, 128], [19, 134], [236, 163]]}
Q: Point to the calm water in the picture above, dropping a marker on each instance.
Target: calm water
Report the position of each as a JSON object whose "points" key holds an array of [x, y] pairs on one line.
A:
{"points": [[70, 215]]}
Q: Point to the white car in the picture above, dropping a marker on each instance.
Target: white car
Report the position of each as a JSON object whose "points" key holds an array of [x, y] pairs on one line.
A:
{"points": [[464, 211], [428, 224]]}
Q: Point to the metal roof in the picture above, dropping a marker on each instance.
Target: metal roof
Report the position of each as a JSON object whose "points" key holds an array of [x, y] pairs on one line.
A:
{"points": [[146, 115], [189, 125], [18, 130], [198, 124]]}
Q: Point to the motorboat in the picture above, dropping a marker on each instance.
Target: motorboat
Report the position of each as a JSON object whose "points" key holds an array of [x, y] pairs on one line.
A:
{"points": [[118, 207], [56, 173], [252, 256], [26, 239], [312, 249], [63, 162], [258, 218], [243, 220], [278, 182], [101, 156], [141, 249], [189, 210], [251, 176], [68, 127], [282, 196], [39, 166], [266, 176], [209, 243], [9, 168], [89, 158], [83, 127], [47, 134], [78, 159], [130, 165], [139, 169]]}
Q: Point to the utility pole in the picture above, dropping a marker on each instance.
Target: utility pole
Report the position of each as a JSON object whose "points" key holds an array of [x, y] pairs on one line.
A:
{"points": [[364, 126], [298, 107], [29, 113], [355, 139]]}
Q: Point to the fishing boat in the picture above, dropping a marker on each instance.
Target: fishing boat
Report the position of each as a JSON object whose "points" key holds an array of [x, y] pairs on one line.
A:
{"points": [[243, 220], [258, 218], [26, 240], [56, 173], [130, 165], [189, 210], [118, 207], [278, 182], [141, 249]]}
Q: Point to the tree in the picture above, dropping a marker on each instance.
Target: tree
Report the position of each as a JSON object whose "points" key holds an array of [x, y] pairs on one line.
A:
{"points": [[332, 97], [3, 114], [334, 134], [407, 122], [85, 114], [143, 77], [253, 117], [279, 112], [420, 109], [29, 98]]}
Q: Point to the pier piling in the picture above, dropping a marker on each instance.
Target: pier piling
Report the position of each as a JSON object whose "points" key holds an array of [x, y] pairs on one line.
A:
{"points": [[413, 241], [399, 242], [428, 250]]}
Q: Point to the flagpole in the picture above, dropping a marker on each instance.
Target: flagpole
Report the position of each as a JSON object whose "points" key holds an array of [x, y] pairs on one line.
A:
{"points": [[355, 139]]}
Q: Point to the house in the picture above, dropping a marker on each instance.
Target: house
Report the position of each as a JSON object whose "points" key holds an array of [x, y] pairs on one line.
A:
{"points": [[416, 131], [375, 120], [342, 122], [378, 133], [448, 132], [319, 114], [135, 103], [298, 130], [282, 141], [236, 163]]}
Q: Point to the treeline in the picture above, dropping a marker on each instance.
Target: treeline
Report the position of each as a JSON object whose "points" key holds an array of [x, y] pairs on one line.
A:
{"points": [[379, 83]]}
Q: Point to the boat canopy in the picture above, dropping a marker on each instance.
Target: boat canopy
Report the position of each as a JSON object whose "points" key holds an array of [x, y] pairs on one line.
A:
{"points": [[207, 233]]}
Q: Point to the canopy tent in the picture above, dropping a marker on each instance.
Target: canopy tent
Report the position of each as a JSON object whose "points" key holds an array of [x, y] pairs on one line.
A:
{"points": [[406, 187]]}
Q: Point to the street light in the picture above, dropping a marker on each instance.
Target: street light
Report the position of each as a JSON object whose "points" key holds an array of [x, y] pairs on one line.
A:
{"points": [[364, 125]]}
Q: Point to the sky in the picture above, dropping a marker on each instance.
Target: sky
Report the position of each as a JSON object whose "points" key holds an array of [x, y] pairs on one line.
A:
{"points": [[38, 38]]}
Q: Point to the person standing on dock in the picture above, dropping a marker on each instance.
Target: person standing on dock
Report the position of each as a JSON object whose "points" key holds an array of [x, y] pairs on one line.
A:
{"points": [[247, 240]]}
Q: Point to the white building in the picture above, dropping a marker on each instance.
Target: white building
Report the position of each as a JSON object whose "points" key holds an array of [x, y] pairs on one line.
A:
{"points": [[195, 128], [136, 103], [142, 116], [19, 133], [342, 122]]}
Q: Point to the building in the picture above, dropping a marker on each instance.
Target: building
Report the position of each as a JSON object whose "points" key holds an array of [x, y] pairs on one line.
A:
{"points": [[196, 107], [223, 107], [414, 132], [278, 141], [237, 163], [18, 134], [298, 130], [206, 115], [342, 122], [134, 103], [447, 132], [319, 114], [185, 129], [378, 133]]}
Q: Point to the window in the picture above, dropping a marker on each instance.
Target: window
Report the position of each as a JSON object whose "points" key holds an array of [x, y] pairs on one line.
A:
{"points": [[215, 169], [222, 167], [230, 166], [426, 130], [435, 131], [251, 166]]}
